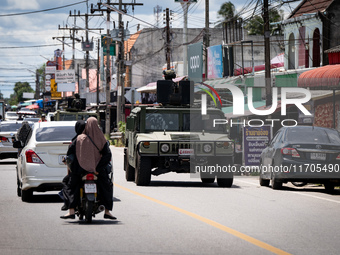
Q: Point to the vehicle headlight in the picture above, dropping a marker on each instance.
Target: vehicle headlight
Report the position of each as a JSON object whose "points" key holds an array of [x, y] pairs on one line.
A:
{"points": [[165, 148], [207, 148], [146, 145]]}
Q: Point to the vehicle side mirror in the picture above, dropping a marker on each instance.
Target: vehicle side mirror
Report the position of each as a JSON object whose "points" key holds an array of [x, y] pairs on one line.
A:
{"points": [[129, 123]]}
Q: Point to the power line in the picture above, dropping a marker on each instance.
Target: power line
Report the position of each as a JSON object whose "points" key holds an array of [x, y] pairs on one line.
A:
{"points": [[32, 12]]}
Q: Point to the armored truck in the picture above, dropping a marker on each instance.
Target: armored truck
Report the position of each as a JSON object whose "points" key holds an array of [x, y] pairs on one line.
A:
{"points": [[177, 138]]}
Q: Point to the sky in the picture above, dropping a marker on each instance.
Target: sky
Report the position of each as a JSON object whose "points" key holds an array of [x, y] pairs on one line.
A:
{"points": [[26, 40]]}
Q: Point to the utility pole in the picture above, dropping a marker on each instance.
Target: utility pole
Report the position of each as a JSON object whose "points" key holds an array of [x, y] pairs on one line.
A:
{"points": [[167, 50], [206, 37], [37, 85], [267, 53], [185, 7], [120, 87]]}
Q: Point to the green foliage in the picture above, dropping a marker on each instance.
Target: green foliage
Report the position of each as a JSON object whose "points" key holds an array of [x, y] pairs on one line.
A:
{"points": [[227, 12], [20, 88], [255, 26], [122, 127]]}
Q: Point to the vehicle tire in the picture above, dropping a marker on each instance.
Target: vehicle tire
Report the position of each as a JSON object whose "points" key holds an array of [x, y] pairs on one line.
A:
{"points": [[129, 170], [329, 187], [26, 195], [264, 182], [143, 171], [207, 177], [88, 211], [276, 184], [225, 182]]}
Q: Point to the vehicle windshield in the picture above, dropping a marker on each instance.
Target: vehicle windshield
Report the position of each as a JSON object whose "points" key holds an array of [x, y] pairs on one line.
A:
{"points": [[194, 122], [313, 135], [9, 127], [11, 114], [70, 117], [49, 134], [162, 121]]}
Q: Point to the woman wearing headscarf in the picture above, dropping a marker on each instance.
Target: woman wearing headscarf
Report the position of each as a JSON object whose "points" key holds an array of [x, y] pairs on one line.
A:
{"points": [[22, 135], [93, 154]]}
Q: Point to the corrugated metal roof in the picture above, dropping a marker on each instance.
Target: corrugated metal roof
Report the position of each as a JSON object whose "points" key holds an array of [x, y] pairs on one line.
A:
{"points": [[326, 77], [310, 6], [333, 50]]}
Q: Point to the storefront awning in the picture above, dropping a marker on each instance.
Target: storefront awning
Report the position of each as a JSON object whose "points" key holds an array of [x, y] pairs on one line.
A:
{"points": [[321, 78]]}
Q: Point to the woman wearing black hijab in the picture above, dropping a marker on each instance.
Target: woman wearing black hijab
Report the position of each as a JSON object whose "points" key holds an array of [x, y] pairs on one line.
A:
{"points": [[79, 128]]}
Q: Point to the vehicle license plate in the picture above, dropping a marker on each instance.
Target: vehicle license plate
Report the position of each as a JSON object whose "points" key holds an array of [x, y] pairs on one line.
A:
{"points": [[186, 152], [318, 156], [61, 157], [90, 188]]}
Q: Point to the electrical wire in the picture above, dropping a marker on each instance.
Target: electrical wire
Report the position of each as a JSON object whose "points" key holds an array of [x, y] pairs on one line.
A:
{"points": [[32, 12]]}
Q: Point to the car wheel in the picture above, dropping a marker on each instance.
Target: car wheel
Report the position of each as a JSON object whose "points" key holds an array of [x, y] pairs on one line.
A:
{"points": [[26, 195], [299, 184], [329, 187], [143, 171], [129, 170], [225, 182], [276, 184], [264, 182]]}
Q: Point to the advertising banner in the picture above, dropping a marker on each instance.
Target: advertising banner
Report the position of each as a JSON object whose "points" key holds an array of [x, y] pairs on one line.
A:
{"points": [[65, 76], [254, 141], [215, 62], [195, 62]]}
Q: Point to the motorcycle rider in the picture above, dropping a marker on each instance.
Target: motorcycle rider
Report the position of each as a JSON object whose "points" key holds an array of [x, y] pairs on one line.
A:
{"points": [[92, 154]]}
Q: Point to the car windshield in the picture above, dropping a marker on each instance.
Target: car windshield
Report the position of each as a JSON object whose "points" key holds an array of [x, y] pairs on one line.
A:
{"points": [[162, 121], [313, 135], [9, 127], [194, 122], [47, 134]]}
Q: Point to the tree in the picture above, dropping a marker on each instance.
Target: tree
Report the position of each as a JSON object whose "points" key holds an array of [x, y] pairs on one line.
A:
{"points": [[255, 26], [19, 89], [227, 12]]}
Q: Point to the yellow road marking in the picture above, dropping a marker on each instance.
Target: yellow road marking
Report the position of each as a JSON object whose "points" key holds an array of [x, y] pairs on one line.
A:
{"points": [[211, 223]]}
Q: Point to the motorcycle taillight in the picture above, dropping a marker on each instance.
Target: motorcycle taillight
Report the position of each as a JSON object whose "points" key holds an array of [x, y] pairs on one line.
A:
{"points": [[89, 177]]}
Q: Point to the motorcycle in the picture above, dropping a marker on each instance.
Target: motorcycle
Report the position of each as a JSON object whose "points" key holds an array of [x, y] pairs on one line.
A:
{"points": [[89, 204]]}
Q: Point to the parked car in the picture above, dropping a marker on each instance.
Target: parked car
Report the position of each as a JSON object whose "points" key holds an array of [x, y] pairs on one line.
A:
{"points": [[7, 130], [304, 154], [32, 119], [11, 116], [39, 166]]}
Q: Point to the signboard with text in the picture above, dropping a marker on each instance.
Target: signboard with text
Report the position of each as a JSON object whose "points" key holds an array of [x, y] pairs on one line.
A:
{"points": [[215, 62], [65, 76], [54, 92], [195, 62], [254, 141]]}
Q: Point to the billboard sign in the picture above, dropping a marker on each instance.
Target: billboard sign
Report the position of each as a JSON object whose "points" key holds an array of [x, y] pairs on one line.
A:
{"points": [[195, 62], [215, 62], [65, 76], [254, 141]]}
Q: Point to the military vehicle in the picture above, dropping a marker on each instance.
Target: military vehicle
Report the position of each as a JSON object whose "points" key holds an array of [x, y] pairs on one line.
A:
{"points": [[74, 111], [173, 137]]}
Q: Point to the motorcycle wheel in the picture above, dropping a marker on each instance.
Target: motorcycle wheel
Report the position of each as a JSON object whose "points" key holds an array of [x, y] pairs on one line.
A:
{"points": [[88, 211]]}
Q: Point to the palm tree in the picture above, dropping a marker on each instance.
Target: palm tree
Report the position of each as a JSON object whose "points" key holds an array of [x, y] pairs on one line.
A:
{"points": [[227, 12]]}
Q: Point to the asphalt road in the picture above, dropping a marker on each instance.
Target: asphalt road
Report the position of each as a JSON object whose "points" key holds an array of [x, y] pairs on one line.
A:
{"points": [[175, 215]]}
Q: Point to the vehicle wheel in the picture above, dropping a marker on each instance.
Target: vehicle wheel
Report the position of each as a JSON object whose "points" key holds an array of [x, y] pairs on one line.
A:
{"points": [[143, 171], [264, 182], [299, 184], [88, 211], [26, 195], [329, 187], [225, 182], [207, 177], [276, 184], [129, 170]]}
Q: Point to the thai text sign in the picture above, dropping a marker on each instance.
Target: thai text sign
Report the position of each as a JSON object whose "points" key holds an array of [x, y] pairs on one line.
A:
{"points": [[65, 76]]}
